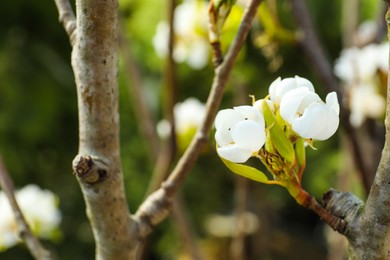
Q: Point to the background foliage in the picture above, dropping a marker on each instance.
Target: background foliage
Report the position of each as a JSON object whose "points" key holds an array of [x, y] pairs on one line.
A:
{"points": [[38, 130]]}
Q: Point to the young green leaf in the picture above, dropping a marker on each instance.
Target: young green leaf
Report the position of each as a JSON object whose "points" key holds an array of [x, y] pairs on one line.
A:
{"points": [[300, 152], [246, 171], [279, 139]]}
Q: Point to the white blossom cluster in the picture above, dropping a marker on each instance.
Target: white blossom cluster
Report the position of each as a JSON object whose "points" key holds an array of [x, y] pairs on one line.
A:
{"points": [[360, 70], [191, 42], [241, 131], [40, 208]]}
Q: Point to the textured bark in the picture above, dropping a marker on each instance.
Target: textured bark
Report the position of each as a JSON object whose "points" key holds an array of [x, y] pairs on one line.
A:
{"points": [[98, 165]]}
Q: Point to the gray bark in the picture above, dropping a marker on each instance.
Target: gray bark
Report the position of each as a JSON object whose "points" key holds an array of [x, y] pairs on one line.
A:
{"points": [[98, 164]]}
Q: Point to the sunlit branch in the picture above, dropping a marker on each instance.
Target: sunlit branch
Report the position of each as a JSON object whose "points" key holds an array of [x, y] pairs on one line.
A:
{"points": [[67, 18], [34, 246]]}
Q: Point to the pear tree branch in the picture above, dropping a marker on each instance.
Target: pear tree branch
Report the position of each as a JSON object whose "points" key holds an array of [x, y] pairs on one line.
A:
{"points": [[97, 166], [156, 207], [67, 18]]}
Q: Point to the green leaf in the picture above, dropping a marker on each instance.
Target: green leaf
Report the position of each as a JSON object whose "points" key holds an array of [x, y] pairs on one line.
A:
{"points": [[278, 138], [300, 151], [246, 171]]}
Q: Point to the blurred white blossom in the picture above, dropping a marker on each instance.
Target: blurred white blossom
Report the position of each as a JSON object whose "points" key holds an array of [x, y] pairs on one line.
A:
{"points": [[365, 102], [240, 133], [361, 70], [191, 43], [40, 208], [226, 225], [188, 115]]}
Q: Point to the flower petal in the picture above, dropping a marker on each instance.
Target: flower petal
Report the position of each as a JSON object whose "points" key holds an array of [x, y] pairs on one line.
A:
{"points": [[331, 125], [248, 135], [250, 113], [332, 102], [284, 86], [272, 88], [312, 122], [223, 137], [302, 82], [291, 103], [228, 117], [234, 154]]}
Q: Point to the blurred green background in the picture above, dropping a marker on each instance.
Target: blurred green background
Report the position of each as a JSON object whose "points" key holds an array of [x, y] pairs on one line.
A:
{"points": [[39, 130]]}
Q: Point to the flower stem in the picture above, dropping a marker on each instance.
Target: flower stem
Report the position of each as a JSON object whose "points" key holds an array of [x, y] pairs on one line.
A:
{"points": [[304, 199]]}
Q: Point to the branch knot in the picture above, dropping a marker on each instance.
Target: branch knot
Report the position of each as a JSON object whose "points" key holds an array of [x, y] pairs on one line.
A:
{"points": [[90, 169]]}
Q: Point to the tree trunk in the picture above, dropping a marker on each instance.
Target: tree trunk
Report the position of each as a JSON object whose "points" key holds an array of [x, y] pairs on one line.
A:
{"points": [[98, 164]]}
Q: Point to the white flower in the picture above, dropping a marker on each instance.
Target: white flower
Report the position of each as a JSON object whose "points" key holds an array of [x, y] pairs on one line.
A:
{"points": [[366, 31], [280, 87], [163, 129], [188, 115], [240, 133], [359, 68], [40, 209], [191, 44], [308, 115], [225, 225], [360, 65], [8, 228], [364, 102]]}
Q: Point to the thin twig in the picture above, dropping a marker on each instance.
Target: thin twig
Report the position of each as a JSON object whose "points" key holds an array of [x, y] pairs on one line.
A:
{"points": [[170, 79], [349, 21], [136, 91], [168, 147], [34, 246], [221, 77], [154, 208], [67, 18], [336, 223]]}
